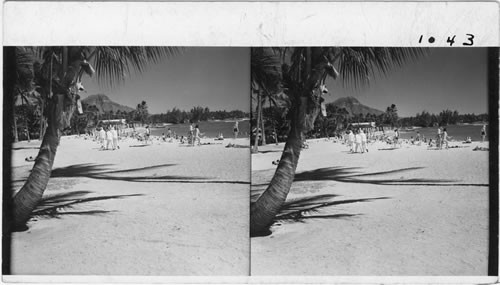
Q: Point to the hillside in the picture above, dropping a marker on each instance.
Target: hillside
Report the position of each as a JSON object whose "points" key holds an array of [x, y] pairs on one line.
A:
{"points": [[353, 106], [104, 104]]}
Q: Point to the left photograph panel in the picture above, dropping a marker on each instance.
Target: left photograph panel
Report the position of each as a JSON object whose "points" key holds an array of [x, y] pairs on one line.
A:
{"points": [[126, 160]]}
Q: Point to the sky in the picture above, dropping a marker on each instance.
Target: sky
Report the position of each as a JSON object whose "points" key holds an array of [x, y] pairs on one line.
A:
{"points": [[219, 78], [447, 78]]}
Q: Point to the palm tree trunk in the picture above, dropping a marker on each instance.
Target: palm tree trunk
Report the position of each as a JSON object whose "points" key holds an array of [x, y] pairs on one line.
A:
{"points": [[256, 139], [61, 108], [31, 193], [263, 211], [16, 136], [262, 123], [274, 123], [26, 120], [40, 134], [27, 131]]}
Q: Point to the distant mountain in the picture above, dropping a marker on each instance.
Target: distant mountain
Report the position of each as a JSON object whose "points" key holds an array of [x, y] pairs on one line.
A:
{"points": [[353, 106], [104, 104]]}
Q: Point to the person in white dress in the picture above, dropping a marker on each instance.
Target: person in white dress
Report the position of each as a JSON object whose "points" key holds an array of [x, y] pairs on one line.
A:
{"points": [[109, 138], [191, 134], [350, 140], [114, 134], [197, 135], [102, 137], [363, 141], [357, 139]]}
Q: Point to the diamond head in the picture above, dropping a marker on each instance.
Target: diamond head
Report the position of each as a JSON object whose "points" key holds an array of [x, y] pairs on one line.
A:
{"points": [[353, 106], [104, 104]]}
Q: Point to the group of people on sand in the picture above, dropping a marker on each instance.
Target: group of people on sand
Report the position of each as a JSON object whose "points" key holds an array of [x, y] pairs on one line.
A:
{"points": [[169, 137], [356, 140], [108, 138], [441, 139], [194, 135]]}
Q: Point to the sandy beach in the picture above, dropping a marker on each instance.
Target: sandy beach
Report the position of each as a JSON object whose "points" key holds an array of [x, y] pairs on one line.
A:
{"points": [[407, 211], [161, 209]]}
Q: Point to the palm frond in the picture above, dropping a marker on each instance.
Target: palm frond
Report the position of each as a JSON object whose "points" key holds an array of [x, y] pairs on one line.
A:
{"points": [[25, 73], [265, 69], [353, 65], [357, 65], [114, 64]]}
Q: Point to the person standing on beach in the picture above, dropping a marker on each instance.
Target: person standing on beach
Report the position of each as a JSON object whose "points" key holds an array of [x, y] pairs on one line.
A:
{"points": [[191, 134], [148, 134], [396, 137], [109, 138], [363, 142], [357, 139], [102, 137], [445, 138], [418, 138], [197, 135], [350, 140], [114, 134], [483, 132], [236, 130], [439, 138]]}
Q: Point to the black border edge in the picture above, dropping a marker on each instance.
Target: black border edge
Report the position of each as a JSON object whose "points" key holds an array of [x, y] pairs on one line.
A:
{"points": [[493, 86], [8, 62]]}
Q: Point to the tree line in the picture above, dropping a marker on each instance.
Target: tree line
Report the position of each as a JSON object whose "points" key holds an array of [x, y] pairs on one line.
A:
{"points": [[196, 114], [276, 121], [444, 118], [28, 118]]}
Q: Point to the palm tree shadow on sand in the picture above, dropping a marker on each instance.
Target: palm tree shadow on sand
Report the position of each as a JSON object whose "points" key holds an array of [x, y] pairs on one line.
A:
{"points": [[57, 205], [304, 208], [105, 172], [347, 175], [301, 209]]}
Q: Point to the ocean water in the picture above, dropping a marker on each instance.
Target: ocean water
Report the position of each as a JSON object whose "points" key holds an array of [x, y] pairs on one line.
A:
{"points": [[209, 129], [457, 133]]}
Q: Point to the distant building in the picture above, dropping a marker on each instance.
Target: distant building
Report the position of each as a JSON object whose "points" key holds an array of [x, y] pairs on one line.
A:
{"points": [[363, 125], [115, 122]]}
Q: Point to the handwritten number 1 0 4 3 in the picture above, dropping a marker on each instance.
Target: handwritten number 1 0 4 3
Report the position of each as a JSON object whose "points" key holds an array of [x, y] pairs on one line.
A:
{"points": [[469, 41]]}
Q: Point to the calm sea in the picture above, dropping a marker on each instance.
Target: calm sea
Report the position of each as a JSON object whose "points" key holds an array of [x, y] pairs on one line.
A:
{"points": [[458, 133], [208, 128]]}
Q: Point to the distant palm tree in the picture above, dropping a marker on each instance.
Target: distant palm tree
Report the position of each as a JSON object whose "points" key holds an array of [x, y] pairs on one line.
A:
{"points": [[391, 114], [62, 70], [303, 77], [265, 77], [20, 80]]}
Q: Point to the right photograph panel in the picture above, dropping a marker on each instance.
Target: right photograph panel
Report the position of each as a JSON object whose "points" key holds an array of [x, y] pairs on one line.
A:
{"points": [[369, 161]]}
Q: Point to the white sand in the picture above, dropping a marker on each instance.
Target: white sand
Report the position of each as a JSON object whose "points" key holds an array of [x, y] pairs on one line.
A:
{"points": [[175, 227], [423, 227], [179, 227]]}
